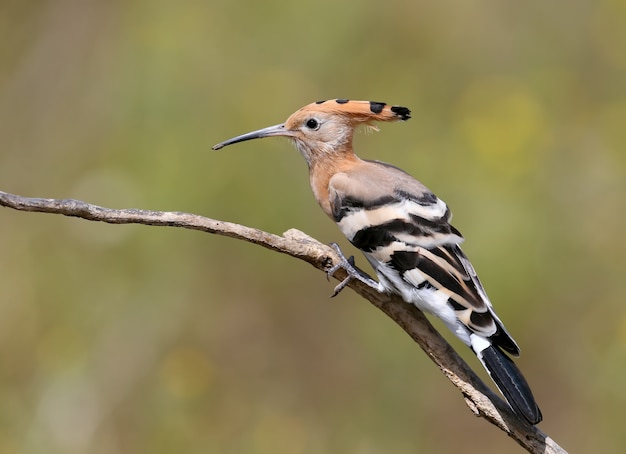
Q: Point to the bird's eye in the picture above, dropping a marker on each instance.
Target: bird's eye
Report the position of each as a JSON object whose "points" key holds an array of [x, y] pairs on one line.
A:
{"points": [[312, 123]]}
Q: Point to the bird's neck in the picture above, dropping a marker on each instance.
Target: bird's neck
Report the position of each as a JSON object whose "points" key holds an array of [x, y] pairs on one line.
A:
{"points": [[323, 169]]}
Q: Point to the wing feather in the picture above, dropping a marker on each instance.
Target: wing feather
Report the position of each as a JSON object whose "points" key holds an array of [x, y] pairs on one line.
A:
{"points": [[405, 228]]}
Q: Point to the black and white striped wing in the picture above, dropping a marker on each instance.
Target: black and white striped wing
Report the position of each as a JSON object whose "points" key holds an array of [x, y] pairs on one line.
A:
{"points": [[405, 233]]}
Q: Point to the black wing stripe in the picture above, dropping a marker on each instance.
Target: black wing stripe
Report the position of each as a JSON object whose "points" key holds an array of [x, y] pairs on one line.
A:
{"points": [[403, 261], [372, 237], [442, 277], [456, 306], [433, 225], [481, 319], [425, 199], [344, 206], [445, 253], [441, 268]]}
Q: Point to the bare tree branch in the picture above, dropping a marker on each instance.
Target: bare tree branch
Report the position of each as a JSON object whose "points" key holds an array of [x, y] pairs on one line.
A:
{"points": [[479, 398]]}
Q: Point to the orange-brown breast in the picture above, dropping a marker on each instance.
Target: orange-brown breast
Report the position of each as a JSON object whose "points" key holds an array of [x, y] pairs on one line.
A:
{"points": [[323, 170]]}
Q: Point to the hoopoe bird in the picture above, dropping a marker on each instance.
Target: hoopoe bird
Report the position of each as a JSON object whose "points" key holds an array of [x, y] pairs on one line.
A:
{"points": [[403, 230]]}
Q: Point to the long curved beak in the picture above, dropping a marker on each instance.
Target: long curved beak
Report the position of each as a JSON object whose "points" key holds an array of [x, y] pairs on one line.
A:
{"points": [[276, 130]]}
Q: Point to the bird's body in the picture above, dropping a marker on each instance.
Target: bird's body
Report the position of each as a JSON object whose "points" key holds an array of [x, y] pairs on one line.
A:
{"points": [[404, 232]]}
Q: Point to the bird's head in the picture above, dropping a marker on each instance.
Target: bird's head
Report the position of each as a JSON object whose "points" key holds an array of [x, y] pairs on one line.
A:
{"points": [[326, 127]]}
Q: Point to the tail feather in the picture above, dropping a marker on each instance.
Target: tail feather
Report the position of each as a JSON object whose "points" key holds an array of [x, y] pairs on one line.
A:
{"points": [[511, 383]]}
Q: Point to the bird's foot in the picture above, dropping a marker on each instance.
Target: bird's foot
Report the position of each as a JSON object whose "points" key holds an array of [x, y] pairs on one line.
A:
{"points": [[347, 264]]}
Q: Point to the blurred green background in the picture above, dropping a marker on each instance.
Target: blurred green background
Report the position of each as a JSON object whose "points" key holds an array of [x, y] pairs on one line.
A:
{"points": [[132, 339]]}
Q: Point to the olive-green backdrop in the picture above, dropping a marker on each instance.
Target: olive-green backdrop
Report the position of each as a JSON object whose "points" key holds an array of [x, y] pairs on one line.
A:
{"points": [[131, 339]]}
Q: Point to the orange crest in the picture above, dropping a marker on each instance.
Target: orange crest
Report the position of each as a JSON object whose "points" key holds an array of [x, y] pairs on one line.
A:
{"points": [[360, 111]]}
